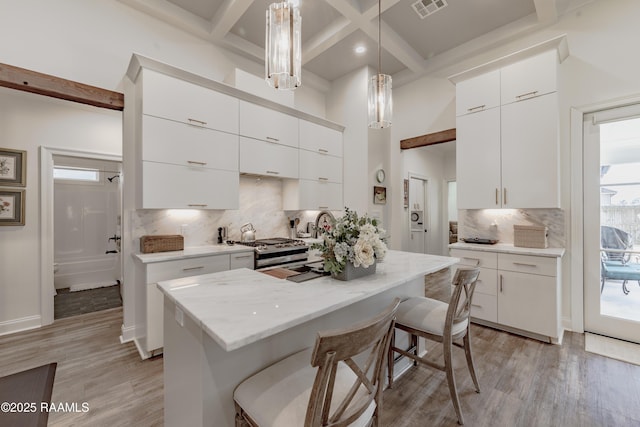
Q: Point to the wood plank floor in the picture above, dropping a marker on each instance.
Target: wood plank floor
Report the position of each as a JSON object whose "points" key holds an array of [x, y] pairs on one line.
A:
{"points": [[523, 382]]}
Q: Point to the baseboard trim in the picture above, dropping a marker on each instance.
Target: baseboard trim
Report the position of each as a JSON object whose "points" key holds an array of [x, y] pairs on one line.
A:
{"points": [[128, 334], [19, 325]]}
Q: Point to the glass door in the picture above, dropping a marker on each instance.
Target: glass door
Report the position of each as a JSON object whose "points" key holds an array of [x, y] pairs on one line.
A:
{"points": [[612, 223]]}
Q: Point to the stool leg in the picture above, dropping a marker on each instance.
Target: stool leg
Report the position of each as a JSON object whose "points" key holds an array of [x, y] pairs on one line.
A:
{"points": [[470, 364], [451, 380], [390, 357]]}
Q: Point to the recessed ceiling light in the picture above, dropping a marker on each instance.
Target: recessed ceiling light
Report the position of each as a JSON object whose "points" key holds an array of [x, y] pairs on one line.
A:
{"points": [[360, 49]]}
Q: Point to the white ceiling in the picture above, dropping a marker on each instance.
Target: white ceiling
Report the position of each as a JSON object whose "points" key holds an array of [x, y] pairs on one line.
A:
{"points": [[331, 29]]}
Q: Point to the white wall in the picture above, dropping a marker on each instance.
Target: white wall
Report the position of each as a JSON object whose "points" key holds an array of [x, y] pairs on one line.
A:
{"points": [[90, 42]]}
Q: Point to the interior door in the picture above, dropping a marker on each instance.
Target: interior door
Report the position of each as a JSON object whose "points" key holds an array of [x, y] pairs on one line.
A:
{"points": [[611, 176]]}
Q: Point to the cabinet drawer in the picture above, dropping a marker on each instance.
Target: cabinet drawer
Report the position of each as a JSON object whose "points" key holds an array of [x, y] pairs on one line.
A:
{"points": [[320, 139], [168, 186], [484, 307], [266, 158], [545, 266], [175, 99], [167, 141], [241, 260], [475, 258], [478, 93], [268, 125], [529, 78], [177, 269], [487, 281], [321, 167]]}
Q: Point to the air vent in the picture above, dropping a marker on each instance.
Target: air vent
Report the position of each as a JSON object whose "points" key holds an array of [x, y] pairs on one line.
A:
{"points": [[425, 8]]}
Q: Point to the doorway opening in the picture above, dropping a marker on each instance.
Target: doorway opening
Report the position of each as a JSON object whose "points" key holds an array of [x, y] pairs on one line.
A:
{"points": [[86, 244], [612, 223], [418, 215]]}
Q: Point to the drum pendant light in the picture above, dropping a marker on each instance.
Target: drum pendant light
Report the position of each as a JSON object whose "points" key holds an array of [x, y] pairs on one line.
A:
{"points": [[282, 45], [380, 102]]}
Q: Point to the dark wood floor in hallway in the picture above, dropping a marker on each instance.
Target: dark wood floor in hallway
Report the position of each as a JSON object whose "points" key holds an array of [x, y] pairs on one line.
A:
{"points": [[524, 382]]}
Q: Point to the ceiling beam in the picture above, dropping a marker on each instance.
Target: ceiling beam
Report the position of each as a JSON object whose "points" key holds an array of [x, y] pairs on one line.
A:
{"points": [[546, 10], [330, 36], [56, 87], [428, 139], [226, 17]]}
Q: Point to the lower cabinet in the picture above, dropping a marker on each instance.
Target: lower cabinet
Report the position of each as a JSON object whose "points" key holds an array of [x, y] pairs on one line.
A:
{"points": [[158, 271], [518, 293]]}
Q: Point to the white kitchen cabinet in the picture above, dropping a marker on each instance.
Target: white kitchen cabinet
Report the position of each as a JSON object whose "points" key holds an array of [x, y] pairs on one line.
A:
{"points": [[508, 156], [478, 160], [304, 194], [166, 186], [267, 158], [518, 293], [269, 125], [530, 153], [171, 98], [320, 139], [531, 77], [321, 167], [478, 93], [176, 269], [166, 141]]}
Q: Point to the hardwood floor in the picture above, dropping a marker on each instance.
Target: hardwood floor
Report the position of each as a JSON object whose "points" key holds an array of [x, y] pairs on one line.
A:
{"points": [[524, 382]]}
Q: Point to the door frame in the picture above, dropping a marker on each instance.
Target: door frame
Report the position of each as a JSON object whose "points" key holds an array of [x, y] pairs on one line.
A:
{"points": [[426, 220], [47, 288], [576, 231]]}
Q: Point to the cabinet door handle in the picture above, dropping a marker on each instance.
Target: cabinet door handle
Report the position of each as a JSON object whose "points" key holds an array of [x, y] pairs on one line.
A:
{"points": [[504, 196], [479, 107], [476, 305], [197, 205], [243, 256], [194, 121], [323, 179], [497, 194], [525, 264], [524, 95], [323, 207], [193, 268], [193, 162], [501, 281], [273, 172], [272, 139], [477, 260], [323, 151]]}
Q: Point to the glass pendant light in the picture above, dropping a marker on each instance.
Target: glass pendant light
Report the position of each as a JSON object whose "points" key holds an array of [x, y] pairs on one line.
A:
{"points": [[380, 102], [282, 45]]}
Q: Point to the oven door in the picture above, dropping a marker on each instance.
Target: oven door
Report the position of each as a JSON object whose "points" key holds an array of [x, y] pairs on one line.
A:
{"points": [[292, 258]]}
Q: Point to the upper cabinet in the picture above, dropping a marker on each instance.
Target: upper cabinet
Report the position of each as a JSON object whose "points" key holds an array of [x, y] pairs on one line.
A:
{"points": [[182, 101], [320, 139], [268, 125], [535, 76], [507, 156], [478, 93]]}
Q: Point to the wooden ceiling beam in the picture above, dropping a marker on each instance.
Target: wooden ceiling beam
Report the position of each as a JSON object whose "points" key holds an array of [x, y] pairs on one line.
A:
{"points": [[56, 87], [428, 139]]}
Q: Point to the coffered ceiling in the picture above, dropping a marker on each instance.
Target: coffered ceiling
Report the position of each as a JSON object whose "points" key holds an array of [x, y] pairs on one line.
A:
{"points": [[332, 29]]}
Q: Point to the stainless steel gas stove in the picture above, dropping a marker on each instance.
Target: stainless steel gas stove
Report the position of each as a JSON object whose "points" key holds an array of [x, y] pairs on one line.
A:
{"points": [[278, 251]]}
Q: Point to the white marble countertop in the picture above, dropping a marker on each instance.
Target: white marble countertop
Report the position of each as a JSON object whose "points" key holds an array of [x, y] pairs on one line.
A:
{"points": [[239, 307], [509, 249], [192, 252]]}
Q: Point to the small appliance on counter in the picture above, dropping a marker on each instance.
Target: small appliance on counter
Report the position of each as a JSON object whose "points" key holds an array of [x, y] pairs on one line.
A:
{"points": [[222, 234], [248, 233], [479, 240]]}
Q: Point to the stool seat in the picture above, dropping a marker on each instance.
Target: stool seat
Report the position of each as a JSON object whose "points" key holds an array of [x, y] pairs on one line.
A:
{"points": [[278, 396], [427, 315]]}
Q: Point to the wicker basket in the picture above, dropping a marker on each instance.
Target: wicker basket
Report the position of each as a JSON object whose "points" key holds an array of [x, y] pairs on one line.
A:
{"points": [[530, 236], [164, 243]]}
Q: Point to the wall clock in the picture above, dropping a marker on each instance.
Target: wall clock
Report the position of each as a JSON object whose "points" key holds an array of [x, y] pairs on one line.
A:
{"points": [[380, 175]]}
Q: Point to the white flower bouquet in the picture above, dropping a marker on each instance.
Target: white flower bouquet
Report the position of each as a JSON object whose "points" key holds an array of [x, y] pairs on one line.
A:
{"points": [[351, 239]]}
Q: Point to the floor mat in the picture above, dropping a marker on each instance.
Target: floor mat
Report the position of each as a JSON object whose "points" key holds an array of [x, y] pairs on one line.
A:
{"points": [[613, 348], [25, 396]]}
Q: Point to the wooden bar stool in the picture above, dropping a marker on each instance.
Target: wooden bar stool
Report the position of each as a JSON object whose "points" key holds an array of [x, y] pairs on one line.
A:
{"points": [[337, 383], [441, 322]]}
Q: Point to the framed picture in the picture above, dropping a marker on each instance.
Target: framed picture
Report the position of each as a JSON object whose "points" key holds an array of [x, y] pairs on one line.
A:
{"points": [[406, 193], [13, 167], [12, 207], [380, 195]]}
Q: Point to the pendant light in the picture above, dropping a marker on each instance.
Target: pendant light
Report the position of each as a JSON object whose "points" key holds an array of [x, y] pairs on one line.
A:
{"points": [[380, 103], [282, 45]]}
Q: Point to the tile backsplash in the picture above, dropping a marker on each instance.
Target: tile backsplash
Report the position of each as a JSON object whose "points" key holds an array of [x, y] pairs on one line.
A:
{"points": [[498, 223], [260, 204]]}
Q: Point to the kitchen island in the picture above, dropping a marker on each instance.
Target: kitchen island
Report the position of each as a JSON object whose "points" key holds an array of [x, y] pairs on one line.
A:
{"points": [[221, 328]]}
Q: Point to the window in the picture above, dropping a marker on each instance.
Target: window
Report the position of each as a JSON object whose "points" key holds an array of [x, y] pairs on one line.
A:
{"points": [[76, 174]]}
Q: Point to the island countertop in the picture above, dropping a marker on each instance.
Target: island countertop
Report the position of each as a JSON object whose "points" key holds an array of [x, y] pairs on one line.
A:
{"points": [[239, 307]]}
